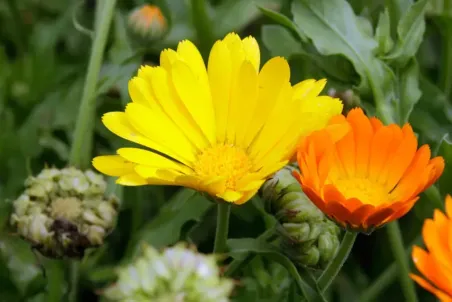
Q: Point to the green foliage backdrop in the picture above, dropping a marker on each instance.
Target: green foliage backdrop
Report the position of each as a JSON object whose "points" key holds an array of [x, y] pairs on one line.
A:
{"points": [[394, 58]]}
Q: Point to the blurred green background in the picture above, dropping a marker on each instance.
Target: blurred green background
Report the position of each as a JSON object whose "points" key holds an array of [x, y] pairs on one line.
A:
{"points": [[391, 57]]}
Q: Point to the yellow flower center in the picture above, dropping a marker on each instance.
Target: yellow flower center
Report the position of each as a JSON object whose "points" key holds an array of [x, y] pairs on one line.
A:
{"points": [[223, 160], [367, 191]]}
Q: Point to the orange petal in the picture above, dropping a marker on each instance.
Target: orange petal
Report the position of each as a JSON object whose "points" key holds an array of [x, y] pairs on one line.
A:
{"points": [[378, 217], [402, 153], [427, 286], [363, 136], [400, 159], [379, 151]]}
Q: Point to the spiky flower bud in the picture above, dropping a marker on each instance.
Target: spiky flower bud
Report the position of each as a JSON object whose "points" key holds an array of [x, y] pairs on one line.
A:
{"points": [[63, 212], [308, 236], [147, 23], [177, 274]]}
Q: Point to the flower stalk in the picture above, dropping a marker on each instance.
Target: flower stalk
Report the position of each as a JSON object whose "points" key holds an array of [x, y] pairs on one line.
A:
{"points": [[82, 143], [84, 127], [333, 268], [396, 242], [221, 234]]}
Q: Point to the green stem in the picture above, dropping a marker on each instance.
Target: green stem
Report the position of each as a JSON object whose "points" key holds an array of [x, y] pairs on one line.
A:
{"points": [[387, 277], [396, 242], [74, 271], [237, 264], [221, 234], [84, 128], [333, 268], [203, 25]]}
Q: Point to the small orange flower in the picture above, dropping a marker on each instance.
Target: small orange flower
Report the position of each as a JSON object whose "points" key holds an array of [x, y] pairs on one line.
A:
{"points": [[436, 263], [363, 174]]}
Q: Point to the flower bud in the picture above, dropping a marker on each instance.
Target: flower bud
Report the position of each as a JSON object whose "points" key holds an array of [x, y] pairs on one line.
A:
{"points": [[307, 236], [147, 23], [64, 212], [175, 274]]}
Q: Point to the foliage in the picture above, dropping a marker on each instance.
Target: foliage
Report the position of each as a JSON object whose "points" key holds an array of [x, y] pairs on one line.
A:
{"points": [[395, 55]]}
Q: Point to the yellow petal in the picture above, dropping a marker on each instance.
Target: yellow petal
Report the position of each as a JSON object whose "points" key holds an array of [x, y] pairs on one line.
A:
{"points": [[252, 51], [140, 92], [230, 196], [174, 108], [220, 77], [273, 76], [278, 122], [117, 123], [246, 196], [236, 50], [167, 58], [196, 97], [316, 112], [151, 159], [150, 124], [242, 103], [131, 180], [188, 52], [308, 89], [113, 165]]}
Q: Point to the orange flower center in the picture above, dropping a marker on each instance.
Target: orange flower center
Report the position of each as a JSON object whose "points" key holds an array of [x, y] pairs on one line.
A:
{"points": [[364, 189], [226, 161]]}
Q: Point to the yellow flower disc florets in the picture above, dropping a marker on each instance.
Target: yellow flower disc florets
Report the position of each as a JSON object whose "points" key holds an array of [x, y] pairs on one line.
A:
{"points": [[226, 161]]}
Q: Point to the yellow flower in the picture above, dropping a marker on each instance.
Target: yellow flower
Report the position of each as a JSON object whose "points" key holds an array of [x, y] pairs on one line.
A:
{"points": [[221, 130]]}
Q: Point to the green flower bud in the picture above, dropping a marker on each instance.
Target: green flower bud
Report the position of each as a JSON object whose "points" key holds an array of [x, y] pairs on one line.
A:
{"points": [[175, 274], [308, 237], [64, 212], [147, 23]]}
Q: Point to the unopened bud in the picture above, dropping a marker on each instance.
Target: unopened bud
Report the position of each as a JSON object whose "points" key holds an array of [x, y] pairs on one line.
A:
{"points": [[307, 236], [52, 212], [147, 23], [175, 274]]}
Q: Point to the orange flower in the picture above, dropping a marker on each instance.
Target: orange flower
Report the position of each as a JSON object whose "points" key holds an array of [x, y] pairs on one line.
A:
{"points": [[363, 174], [436, 263]]}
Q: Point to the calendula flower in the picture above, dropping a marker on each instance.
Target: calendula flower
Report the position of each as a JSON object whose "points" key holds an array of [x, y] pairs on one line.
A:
{"points": [[363, 174], [177, 274], [221, 130], [436, 263], [147, 22]]}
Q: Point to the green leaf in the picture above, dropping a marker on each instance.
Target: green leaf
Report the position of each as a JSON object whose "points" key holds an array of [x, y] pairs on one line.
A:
{"points": [[409, 92], [410, 32], [383, 33], [280, 42], [283, 20], [245, 245], [334, 30], [165, 229], [234, 15]]}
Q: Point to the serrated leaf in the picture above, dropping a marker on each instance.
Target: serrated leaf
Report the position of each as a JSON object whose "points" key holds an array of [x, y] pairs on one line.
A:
{"points": [[334, 30], [410, 32], [409, 92], [383, 33]]}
